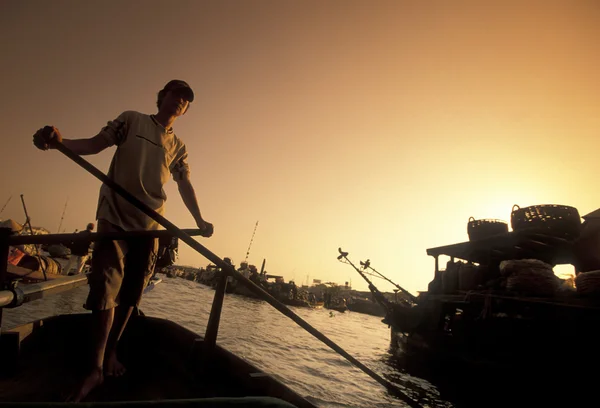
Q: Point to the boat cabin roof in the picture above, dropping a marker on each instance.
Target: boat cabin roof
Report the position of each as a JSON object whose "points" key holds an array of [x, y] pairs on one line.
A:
{"points": [[511, 245]]}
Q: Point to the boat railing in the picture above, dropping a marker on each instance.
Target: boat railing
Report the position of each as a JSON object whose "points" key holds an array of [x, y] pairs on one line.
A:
{"points": [[12, 294], [226, 270]]}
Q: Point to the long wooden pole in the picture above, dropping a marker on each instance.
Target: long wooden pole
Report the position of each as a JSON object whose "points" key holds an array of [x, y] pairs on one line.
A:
{"points": [[5, 204], [4, 234], [62, 217], [94, 236], [251, 239], [225, 266], [212, 328]]}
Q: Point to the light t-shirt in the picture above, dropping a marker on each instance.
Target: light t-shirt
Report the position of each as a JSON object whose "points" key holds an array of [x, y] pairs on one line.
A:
{"points": [[146, 154]]}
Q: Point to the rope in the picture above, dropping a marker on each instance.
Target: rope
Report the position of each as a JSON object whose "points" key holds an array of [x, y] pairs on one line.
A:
{"points": [[251, 239]]}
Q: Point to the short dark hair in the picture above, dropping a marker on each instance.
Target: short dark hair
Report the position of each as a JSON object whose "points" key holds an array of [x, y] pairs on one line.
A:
{"points": [[161, 96], [175, 84]]}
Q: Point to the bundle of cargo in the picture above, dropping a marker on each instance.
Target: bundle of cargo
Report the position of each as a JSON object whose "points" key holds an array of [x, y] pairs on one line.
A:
{"points": [[530, 276]]}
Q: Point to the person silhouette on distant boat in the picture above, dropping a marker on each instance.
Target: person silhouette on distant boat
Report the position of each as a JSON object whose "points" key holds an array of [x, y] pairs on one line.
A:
{"points": [[80, 252], [147, 151]]}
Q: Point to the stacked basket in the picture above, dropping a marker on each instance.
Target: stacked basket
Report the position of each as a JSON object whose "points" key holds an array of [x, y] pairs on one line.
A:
{"points": [[479, 229], [550, 219]]}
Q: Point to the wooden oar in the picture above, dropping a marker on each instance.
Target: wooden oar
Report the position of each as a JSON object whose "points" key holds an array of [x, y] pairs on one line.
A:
{"points": [[230, 270]]}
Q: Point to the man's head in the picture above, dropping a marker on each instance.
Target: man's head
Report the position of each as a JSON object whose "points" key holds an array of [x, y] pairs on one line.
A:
{"points": [[90, 226], [175, 97]]}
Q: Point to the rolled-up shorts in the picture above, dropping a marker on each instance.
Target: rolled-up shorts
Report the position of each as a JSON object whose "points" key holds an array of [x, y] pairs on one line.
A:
{"points": [[120, 270]]}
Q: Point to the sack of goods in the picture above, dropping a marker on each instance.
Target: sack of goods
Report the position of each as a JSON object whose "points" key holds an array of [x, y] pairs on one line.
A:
{"points": [[530, 276], [588, 283]]}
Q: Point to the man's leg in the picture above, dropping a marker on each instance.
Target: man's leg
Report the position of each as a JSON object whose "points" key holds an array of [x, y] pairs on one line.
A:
{"points": [[139, 266], [102, 321], [105, 281], [112, 365]]}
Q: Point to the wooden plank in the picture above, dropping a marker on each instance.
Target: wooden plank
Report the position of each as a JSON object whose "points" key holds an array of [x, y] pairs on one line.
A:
{"points": [[25, 330]]}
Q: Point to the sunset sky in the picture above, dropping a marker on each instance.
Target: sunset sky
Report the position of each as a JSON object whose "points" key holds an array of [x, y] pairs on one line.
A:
{"points": [[375, 126]]}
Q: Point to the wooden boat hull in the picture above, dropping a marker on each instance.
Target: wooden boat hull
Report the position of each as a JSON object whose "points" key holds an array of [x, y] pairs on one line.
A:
{"points": [[366, 307], [317, 305], [340, 309], [165, 362], [497, 333]]}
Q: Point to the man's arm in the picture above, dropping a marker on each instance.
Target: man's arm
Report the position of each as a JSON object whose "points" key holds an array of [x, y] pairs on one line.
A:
{"points": [[84, 147], [188, 195], [44, 139]]}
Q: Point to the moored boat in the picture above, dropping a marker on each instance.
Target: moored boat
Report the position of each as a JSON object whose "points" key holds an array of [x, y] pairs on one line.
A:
{"points": [[365, 306]]}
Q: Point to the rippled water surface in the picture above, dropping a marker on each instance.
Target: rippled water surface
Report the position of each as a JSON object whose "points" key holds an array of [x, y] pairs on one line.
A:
{"points": [[257, 332]]}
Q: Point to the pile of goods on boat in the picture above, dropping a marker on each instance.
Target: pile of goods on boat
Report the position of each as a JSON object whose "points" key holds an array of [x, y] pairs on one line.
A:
{"points": [[499, 299], [521, 262], [498, 302]]}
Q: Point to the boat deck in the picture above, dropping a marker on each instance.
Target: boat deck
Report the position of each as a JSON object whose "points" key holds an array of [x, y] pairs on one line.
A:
{"points": [[164, 361]]}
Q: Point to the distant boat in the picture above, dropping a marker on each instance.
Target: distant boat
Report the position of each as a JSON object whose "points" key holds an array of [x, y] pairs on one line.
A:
{"points": [[366, 306]]}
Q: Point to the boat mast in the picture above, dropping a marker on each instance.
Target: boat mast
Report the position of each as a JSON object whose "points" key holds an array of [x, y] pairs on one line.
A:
{"points": [[379, 297], [4, 206], [251, 239], [63, 215]]}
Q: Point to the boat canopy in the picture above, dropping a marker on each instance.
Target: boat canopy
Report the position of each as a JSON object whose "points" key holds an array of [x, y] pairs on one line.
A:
{"points": [[510, 245]]}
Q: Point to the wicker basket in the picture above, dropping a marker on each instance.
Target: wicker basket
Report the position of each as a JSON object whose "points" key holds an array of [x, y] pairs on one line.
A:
{"points": [[551, 219], [479, 229]]}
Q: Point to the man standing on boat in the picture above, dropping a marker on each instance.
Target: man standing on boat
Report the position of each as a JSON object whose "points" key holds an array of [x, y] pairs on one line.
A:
{"points": [[147, 151], [80, 252]]}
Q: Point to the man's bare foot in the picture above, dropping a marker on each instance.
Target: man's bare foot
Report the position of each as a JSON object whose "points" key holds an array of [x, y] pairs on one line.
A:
{"points": [[112, 366], [89, 382]]}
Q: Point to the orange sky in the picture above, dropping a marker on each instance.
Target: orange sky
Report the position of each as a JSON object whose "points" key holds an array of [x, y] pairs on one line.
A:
{"points": [[377, 126]]}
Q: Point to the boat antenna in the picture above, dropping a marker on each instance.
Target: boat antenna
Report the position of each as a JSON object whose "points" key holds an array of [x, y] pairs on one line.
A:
{"points": [[63, 215], [4, 206], [251, 239]]}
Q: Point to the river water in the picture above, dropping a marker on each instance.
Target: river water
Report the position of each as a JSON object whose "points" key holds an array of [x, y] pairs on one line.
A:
{"points": [[254, 330]]}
